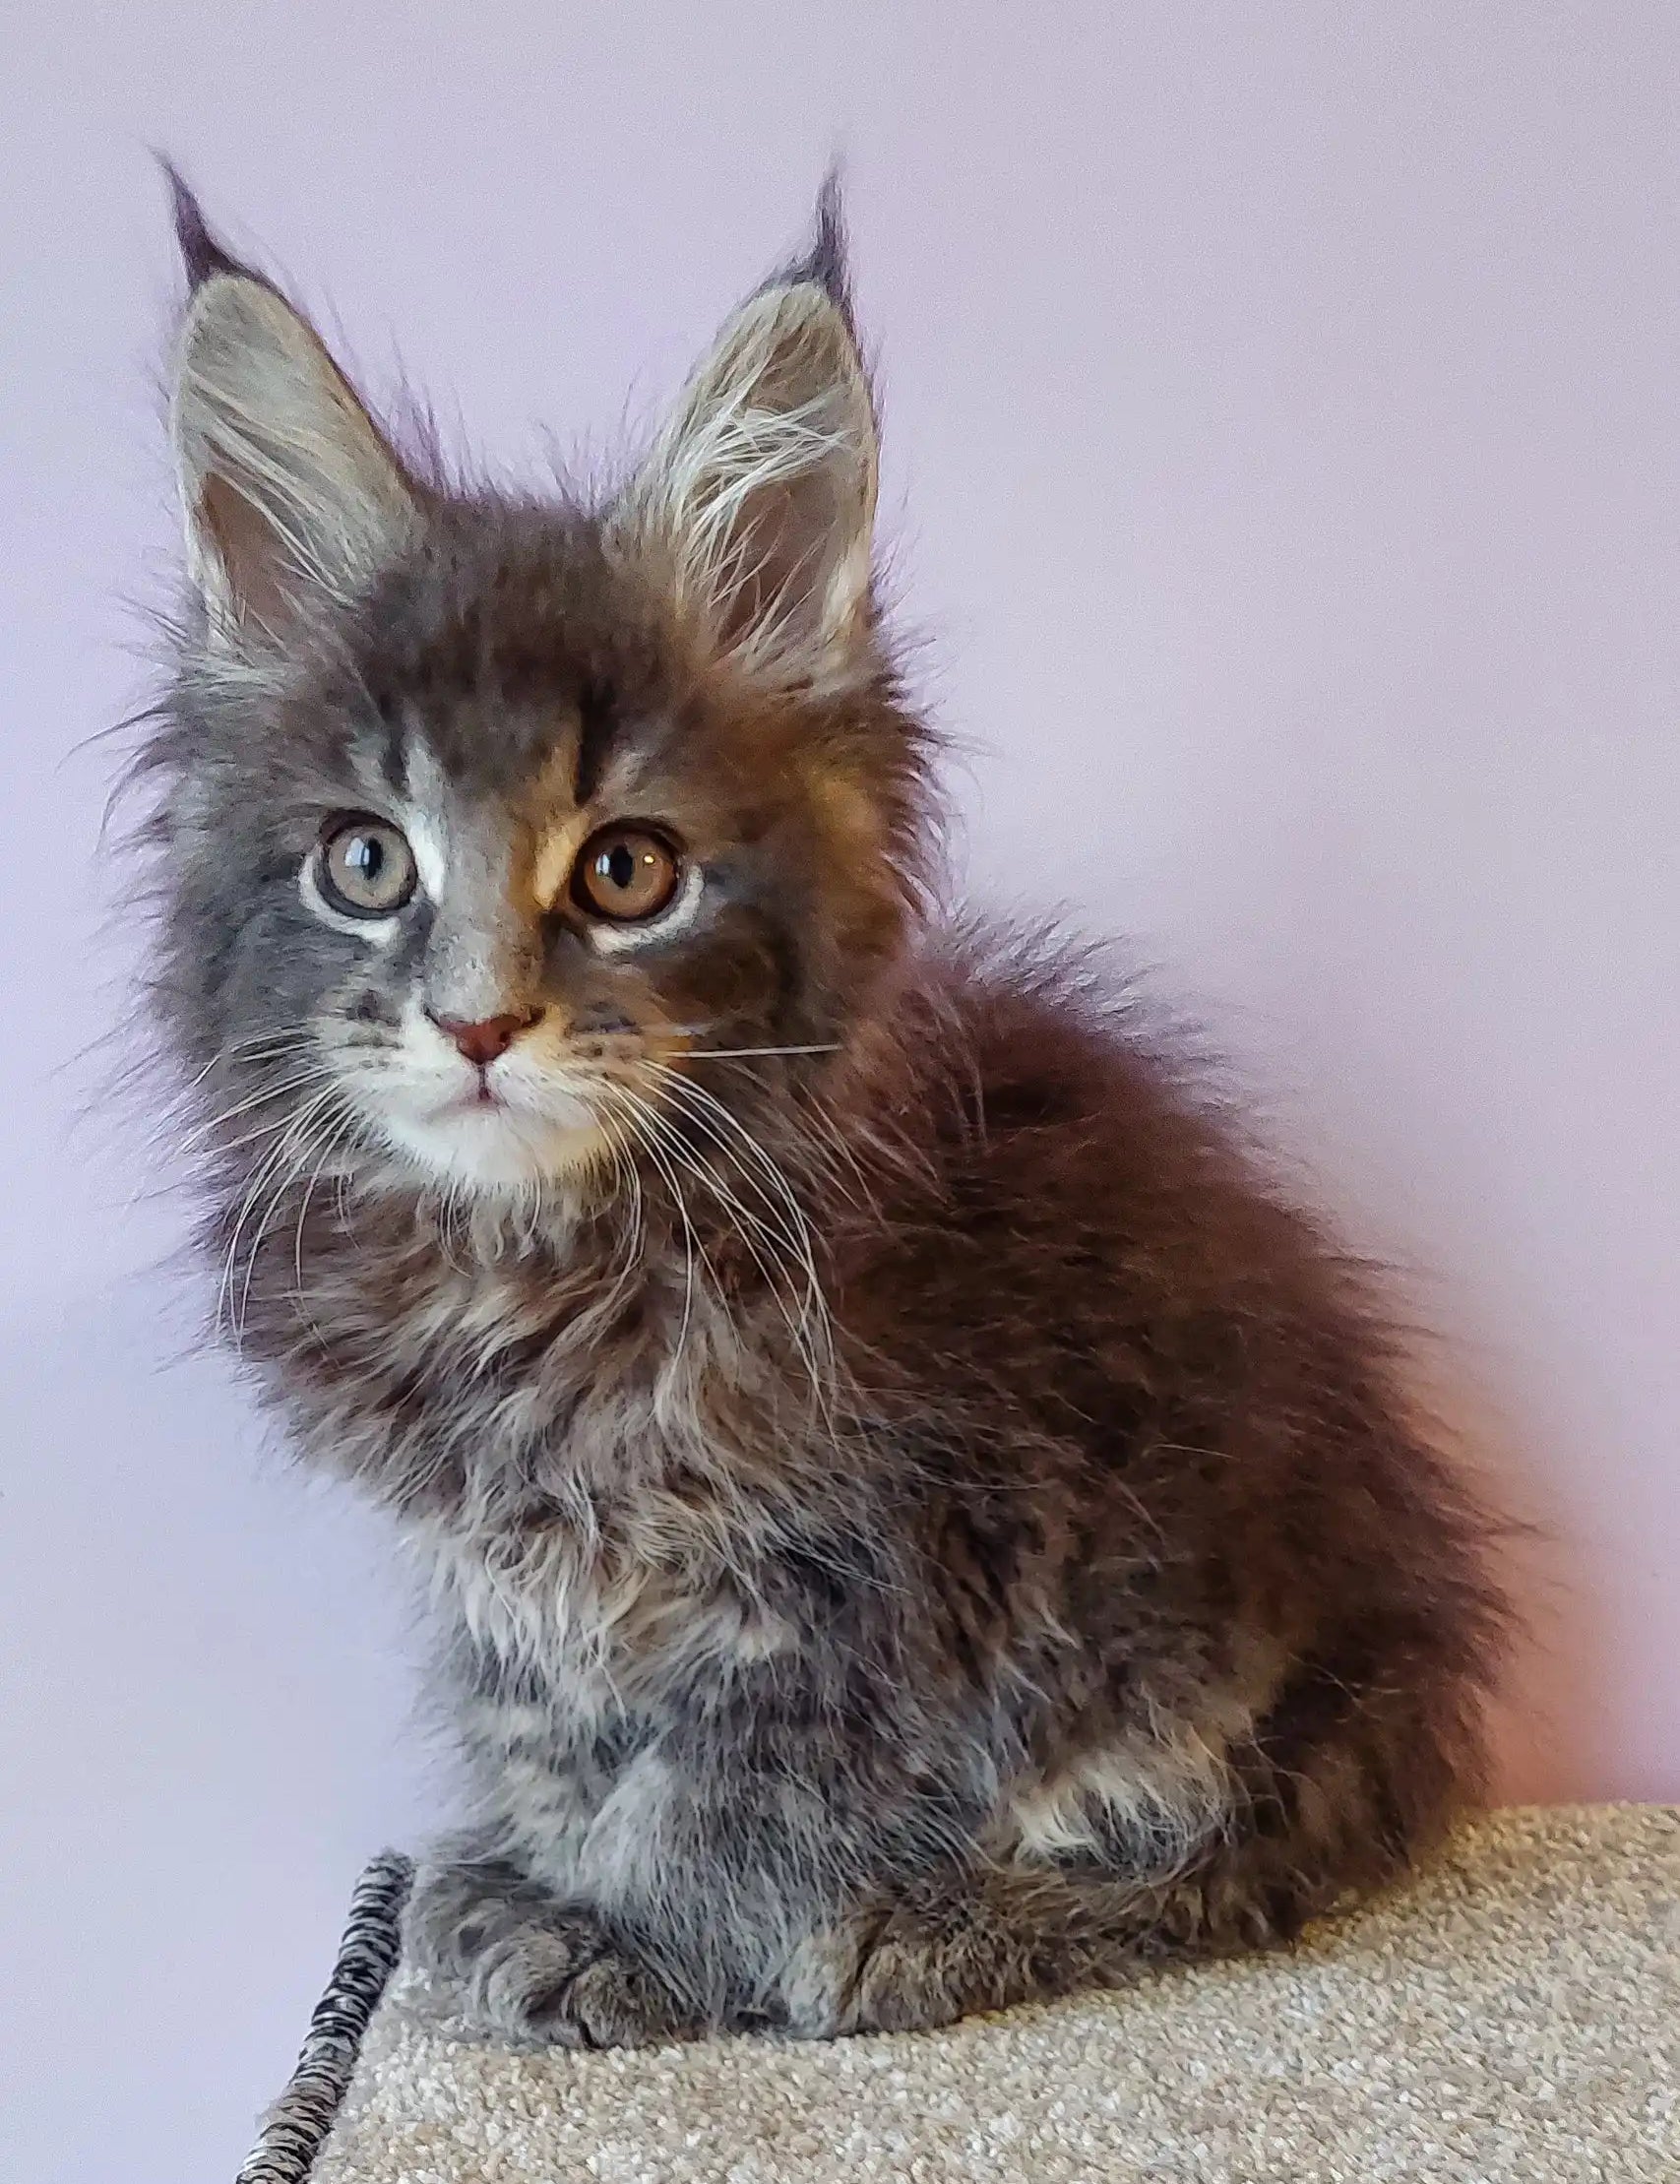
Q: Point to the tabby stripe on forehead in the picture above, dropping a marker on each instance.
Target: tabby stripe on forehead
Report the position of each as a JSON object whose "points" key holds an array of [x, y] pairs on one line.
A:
{"points": [[393, 749], [598, 722]]}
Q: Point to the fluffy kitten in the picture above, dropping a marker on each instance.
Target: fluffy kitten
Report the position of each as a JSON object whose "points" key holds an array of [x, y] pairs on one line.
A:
{"points": [[917, 1521]]}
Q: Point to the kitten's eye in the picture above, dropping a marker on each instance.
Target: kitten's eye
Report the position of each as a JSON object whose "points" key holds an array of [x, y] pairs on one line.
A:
{"points": [[625, 873], [365, 868]]}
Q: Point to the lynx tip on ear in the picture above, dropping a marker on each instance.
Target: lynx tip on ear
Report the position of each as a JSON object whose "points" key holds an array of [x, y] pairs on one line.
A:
{"points": [[202, 251]]}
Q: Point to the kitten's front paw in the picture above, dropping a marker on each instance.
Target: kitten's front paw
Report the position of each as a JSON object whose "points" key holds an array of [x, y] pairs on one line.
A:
{"points": [[615, 2001], [511, 1962]]}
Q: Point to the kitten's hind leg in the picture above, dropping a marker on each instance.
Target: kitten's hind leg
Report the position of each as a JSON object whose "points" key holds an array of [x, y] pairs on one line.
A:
{"points": [[514, 1961], [1349, 1786], [983, 1937], [957, 1943]]}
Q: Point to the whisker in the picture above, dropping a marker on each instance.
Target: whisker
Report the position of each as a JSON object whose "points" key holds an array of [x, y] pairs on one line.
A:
{"points": [[336, 1137], [697, 1112], [257, 1098], [629, 1178], [180, 1100], [286, 1161], [691, 1246], [812, 1333], [832, 1144], [705, 1172], [272, 1163], [317, 1139], [707, 1103], [748, 1053]]}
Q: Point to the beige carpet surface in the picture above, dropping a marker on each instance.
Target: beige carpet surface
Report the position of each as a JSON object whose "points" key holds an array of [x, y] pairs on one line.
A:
{"points": [[1514, 2014]]}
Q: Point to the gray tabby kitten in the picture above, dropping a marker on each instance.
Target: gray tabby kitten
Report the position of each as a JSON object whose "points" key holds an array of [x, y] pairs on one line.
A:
{"points": [[916, 1520]]}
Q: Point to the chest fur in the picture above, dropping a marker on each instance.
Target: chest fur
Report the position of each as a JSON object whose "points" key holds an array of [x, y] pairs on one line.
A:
{"points": [[583, 1617], [593, 1665]]}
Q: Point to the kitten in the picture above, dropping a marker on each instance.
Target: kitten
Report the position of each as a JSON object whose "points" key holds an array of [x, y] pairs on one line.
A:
{"points": [[917, 1521]]}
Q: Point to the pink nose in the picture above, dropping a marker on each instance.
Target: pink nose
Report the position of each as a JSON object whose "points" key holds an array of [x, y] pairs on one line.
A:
{"points": [[483, 1041]]}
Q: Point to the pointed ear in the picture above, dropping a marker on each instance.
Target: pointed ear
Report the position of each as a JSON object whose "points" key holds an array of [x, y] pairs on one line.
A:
{"points": [[760, 492], [292, 496]]}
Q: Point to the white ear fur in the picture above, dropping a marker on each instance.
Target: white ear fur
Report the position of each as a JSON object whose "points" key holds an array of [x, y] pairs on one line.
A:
{"points": [[287, 486], [761, 489]]}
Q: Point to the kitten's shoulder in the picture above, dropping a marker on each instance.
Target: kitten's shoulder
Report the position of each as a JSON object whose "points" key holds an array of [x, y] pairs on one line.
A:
{"points": [[1035, 1027]]}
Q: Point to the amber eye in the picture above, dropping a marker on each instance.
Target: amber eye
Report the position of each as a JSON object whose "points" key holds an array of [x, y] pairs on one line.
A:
{"points": [[365, 868], [625, 873]]}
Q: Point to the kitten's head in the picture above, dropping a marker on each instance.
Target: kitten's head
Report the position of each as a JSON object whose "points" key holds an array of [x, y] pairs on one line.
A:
{"points": [[486, 819]]}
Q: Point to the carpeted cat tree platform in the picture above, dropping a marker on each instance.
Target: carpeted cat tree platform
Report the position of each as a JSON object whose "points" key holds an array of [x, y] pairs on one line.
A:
{"points": [[1514, 2015]]}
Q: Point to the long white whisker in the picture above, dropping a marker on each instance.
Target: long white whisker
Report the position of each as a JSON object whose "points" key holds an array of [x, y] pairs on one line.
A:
{"points": [[832, 1144], [702, 1169], [336, 1137], [346, 1130], [696, 1097], [303, 1137], [182, 1103], [629, 1178], [697, 1113], [320, 1134], [691, 1246], [275, 1159], [260, 1048], [256, 1098], [637, 1121], [748, 1053], [812, 1330]]}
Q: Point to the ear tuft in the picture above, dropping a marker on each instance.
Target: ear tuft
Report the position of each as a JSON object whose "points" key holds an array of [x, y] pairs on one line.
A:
{"points": [[825, 261], [202, 250]]}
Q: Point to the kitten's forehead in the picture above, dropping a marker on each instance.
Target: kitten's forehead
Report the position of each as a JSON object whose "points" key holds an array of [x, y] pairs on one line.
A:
{"points": [[514, 669], [533, 760]]}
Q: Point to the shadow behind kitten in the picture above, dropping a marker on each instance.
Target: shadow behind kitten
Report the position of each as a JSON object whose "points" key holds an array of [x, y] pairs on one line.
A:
{"points": [[915, 1521]]}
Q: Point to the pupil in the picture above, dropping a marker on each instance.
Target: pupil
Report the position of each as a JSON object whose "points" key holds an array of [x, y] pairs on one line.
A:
{"points": [[367, 856], [620, 867]]}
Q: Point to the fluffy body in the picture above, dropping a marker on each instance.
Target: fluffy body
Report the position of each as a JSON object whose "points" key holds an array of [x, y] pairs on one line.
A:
{"points": [[916, 1520]]}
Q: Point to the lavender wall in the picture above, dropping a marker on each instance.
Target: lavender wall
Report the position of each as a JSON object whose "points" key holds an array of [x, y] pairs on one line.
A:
{"points": [[1283, 453]]}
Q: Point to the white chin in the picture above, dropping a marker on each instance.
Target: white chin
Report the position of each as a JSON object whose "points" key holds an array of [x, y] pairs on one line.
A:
{"points": [[490, 1150]]}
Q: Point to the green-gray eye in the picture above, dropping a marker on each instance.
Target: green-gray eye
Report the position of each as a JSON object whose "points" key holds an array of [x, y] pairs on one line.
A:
{"points": [[365, 868]]}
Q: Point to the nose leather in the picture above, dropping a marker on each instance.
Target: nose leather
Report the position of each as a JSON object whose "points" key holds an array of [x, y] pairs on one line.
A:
{"points": [[491, 1037]]}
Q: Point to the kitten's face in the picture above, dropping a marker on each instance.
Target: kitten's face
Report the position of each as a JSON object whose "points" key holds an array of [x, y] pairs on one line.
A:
{"points": [[514, 859], [510, 971], [505, 840]]}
